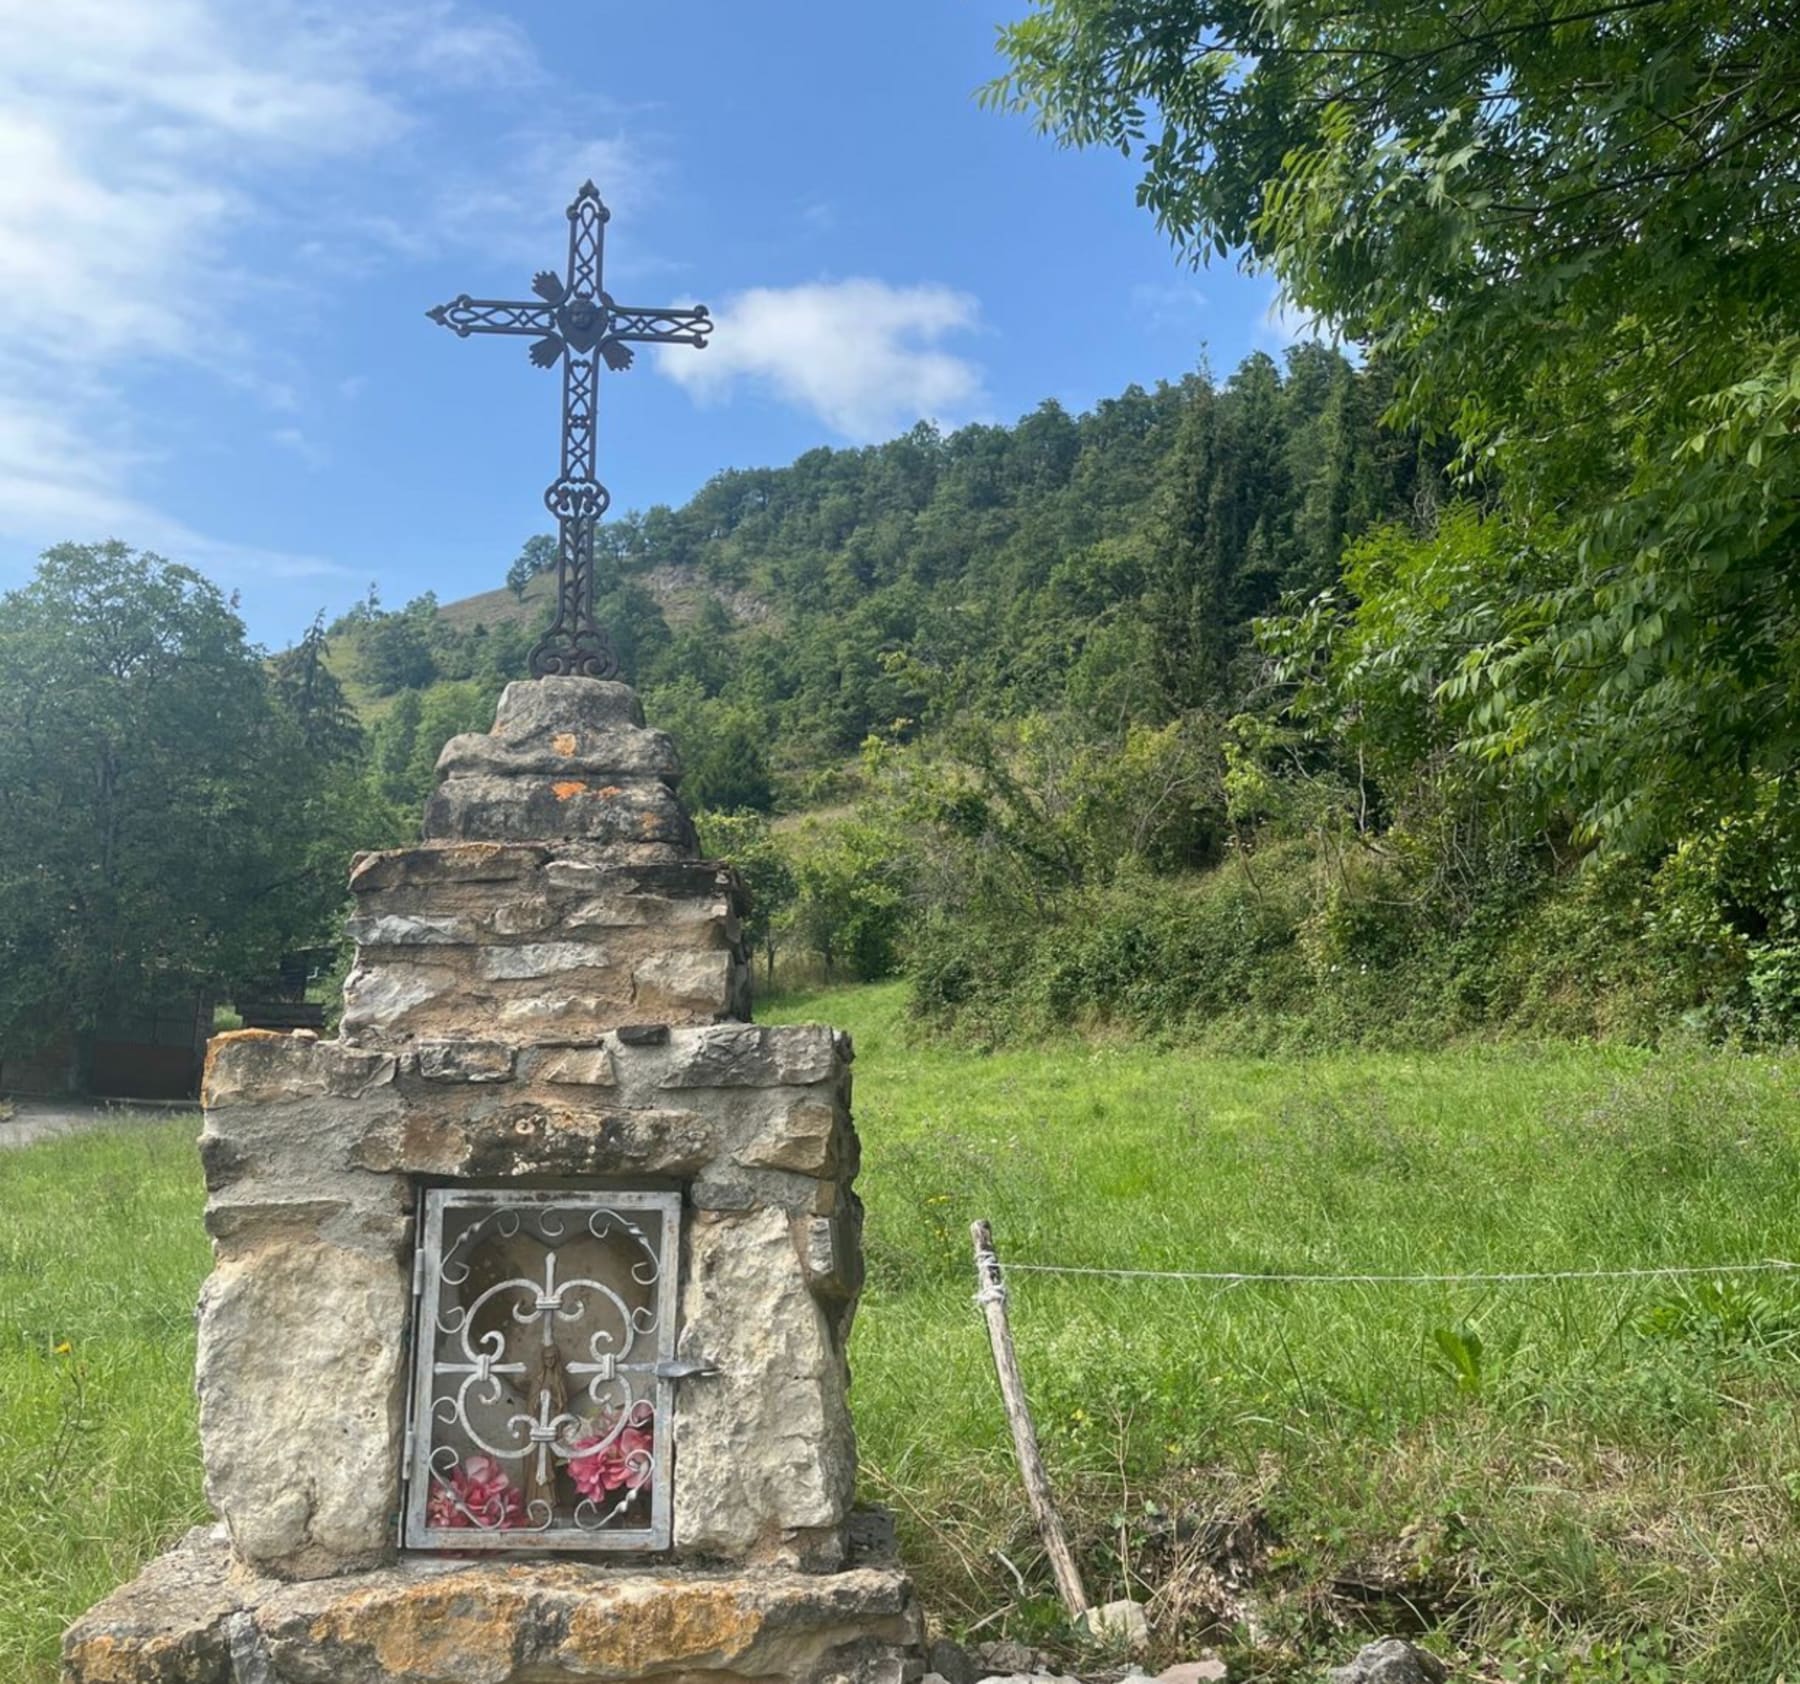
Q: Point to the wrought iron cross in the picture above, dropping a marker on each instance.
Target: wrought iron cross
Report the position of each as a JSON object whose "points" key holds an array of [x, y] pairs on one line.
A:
{"points": [[575, 322]]}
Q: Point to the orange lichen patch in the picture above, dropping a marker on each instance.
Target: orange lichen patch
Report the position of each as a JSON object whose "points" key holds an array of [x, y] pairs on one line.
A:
{"points": [[464, 1627], [430, 1631], [104, 1660], [609, 791], [568, 788], [220, 1047], [563, 742], [644, 1627]]}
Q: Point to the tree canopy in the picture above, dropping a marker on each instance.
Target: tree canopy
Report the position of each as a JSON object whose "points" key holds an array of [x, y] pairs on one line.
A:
{"points": [[1570, 233], [172, 811]]}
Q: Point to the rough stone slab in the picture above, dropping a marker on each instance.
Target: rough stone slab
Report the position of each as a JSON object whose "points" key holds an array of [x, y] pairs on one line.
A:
{"points": [[627, 910], [189, 1618], [525, 916], [544, 958], [530, 809], [556, 1017], [765, 1452], [574, 1066], [618, 751], [169, 1625], [465, 1061], [685, 984], [804, 1137], [396, 929], [257, 1066], [297, 1148], [753, 1055], [238, 1226], [583, 870], [462, 862], [759, 1189], [526, 1138], [1391, 1661], [1030, 1678], [1123, 1623], [1209, 1670], [533, 707], [379, 998], [833, 1267], [301, 1379]]}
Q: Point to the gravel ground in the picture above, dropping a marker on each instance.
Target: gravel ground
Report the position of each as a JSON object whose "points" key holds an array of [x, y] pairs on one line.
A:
{"points": [[24, 1122]]}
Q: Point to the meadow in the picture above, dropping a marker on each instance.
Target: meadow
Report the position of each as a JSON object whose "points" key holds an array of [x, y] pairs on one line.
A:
{"points": [[1583, 1479]]}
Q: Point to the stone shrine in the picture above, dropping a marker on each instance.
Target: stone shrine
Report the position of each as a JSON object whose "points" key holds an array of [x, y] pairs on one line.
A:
{"points": [[523, 1355]]}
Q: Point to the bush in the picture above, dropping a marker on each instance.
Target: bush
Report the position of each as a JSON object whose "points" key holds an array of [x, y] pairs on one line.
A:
{"points": [[1299, 945]]}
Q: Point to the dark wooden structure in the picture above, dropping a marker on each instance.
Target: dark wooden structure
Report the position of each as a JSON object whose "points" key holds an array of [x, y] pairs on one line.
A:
{"points": [[151, 1051]]}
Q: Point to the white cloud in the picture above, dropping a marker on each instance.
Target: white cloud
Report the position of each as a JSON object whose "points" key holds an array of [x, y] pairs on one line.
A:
{"points": [[518, 216], [61, 480], [127, 133], [863, 356], [301, 444], [1170, 308], [175, 175]]}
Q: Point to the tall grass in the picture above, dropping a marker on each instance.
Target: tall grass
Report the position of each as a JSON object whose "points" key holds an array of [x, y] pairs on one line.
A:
{"points": [[101, 1253], [1543, 1468], [1556, 1477]]}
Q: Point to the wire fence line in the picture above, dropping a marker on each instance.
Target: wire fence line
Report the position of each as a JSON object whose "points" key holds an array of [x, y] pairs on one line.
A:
{"points": [[1235, 1277]]}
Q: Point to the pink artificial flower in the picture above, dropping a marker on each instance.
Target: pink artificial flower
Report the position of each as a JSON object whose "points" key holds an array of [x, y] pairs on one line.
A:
{"points": [[480, 1493], [623, 1463]]}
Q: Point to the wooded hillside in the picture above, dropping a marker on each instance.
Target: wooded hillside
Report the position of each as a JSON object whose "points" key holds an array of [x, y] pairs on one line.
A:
{"points": [[1111, 561], [1147, 715]]}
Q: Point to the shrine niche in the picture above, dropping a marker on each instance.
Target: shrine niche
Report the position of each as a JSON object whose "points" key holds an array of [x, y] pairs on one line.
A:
{"points": [[543, 1370]]}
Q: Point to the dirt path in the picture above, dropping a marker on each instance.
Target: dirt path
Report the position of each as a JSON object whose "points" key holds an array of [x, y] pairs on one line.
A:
{"points": [[24, 1122]]}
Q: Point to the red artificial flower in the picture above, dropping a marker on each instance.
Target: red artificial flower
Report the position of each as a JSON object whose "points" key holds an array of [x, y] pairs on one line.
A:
{"points": [[480, 1493], [622, 1462]]}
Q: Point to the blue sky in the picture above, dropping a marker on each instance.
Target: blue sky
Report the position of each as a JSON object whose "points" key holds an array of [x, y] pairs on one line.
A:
{"points": [[221, 222]]}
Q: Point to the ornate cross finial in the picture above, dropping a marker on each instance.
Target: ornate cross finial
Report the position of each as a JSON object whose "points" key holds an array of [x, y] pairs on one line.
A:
{"points": [[574, 321]]}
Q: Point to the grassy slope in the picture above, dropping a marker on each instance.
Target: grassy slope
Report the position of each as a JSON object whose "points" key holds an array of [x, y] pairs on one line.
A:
{"points": [[1592, 1480]]}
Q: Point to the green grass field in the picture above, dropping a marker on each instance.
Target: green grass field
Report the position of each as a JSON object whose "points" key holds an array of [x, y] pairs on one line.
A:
{"points": [[1592, 1480]]}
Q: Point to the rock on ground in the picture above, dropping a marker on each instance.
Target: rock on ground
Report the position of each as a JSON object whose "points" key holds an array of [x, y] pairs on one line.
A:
{"points": [[1209, 1670], [1391, 1661], [1123, 1622]]}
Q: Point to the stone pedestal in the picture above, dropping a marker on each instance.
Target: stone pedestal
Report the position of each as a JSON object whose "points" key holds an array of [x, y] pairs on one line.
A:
{"points": [[549, 1000], [196, 1616]]}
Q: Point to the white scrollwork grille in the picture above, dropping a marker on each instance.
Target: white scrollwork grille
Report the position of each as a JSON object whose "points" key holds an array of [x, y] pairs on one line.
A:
{"points": [[543, 1370]]}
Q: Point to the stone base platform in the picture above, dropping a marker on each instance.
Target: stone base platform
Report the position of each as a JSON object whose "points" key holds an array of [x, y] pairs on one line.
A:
{"points": [[196, 1616]]}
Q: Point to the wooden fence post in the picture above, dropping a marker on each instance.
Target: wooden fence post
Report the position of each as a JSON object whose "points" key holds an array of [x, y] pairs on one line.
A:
{"points": [[992, 1299]]}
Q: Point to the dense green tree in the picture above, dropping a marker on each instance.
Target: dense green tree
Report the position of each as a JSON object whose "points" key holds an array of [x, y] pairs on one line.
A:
{"points": [[411, 735], [308, 689], [746, 841], [393, 651], [394, 742], [169, 818], [537, 555], [851, 899], [724, 760]]}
